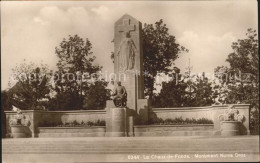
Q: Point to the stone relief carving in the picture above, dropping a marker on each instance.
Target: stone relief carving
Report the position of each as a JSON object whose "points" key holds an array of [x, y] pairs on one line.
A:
{"points": [[126, 54]]}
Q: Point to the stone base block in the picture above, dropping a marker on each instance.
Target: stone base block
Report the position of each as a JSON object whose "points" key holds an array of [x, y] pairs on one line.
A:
{"points": [[110, 104], [116, 134], [143, 106], [116, 122], [230, 133]]}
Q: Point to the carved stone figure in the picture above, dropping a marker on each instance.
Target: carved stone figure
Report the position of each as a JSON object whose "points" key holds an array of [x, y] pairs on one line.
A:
{"points": [[126, 54], [119, 96]]}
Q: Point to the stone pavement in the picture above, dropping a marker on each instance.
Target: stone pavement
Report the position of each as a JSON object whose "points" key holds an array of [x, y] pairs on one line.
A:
{"points": [[131, 149]]}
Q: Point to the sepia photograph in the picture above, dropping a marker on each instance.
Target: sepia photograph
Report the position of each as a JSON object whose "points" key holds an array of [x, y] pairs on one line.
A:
{"points": [[129, 81]]}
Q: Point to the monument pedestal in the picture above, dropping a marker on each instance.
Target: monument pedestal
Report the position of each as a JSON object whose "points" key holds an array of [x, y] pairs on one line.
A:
{"points": [[119, 122], [143, 107], [116, 124]]}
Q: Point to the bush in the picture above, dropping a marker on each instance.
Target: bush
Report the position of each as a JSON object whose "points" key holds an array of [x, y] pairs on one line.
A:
{"points": [[180, 121], [74, 124]]}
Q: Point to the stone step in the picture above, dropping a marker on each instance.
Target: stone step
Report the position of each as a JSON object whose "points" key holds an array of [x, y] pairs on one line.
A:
{"points": [[118, 149], [127, 145], [106, 146], [162, 128], [137, 134], [178, 133]]}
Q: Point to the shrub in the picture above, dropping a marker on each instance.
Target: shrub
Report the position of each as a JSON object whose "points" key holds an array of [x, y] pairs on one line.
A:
{"points": [[180, 121], [73, 124]]}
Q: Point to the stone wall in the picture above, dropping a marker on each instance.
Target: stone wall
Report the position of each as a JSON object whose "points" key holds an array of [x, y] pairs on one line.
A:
{"points": [[209, 112], [37, 117], [172, 113], [70, 116], [94, 131], [27, 113], [175, 130]]}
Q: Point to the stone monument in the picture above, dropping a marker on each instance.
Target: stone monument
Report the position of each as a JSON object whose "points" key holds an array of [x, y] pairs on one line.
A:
{"points": [[119, 96], [128, 61], [128, 67]]}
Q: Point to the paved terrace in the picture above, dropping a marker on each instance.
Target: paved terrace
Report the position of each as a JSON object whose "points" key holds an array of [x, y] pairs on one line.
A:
{"points": [[131, 149]]}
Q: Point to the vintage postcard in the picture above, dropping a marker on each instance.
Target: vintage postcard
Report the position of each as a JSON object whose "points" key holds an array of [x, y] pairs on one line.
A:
{"points": [[129, 81]]}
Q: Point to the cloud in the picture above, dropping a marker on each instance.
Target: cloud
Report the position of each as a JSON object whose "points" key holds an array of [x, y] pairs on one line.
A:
{"points": [[101, 10], [205, 52], [188, 39], [31, 30], [53, 14], [63, 18], [39, 20], [79, 20]]}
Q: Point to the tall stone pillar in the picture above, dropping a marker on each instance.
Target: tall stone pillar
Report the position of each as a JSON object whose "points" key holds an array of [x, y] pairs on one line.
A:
{"points": [[128, 64], [128, 67], [128, 60]]}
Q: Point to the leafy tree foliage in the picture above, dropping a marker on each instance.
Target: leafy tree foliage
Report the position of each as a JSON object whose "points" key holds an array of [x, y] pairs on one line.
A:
{"points": [[76, 74], [204, 93], [239, 83], [6, 101], [97, 95], [32, 86], [160, 51], [172, 94], [187, 92]]}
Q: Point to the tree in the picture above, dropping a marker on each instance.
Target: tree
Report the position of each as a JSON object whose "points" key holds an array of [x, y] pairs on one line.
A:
{"points": [[6, 101], [187, 92], [160, 51], [239, 83], [172, 94], [97, 96], [31, 87], [76, 73], [204, 93]]}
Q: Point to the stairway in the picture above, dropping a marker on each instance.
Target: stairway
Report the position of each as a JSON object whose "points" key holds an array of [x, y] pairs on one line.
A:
{"points": [[106, 146]]}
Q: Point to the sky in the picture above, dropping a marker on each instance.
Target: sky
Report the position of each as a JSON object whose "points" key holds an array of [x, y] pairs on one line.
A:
{"points": [[30, 30]]}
